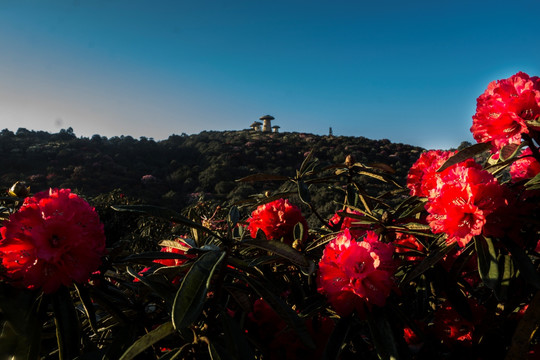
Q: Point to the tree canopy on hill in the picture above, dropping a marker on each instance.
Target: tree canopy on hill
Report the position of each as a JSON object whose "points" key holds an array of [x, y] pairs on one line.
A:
{"points": [[180, 169]]}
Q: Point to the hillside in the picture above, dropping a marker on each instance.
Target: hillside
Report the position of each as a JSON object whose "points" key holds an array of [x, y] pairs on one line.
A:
{"points": [[177, 171]]}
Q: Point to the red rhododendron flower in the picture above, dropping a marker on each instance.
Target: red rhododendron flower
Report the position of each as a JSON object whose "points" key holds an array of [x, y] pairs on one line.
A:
{"points": [[55, 238], [463, 199], [526, 167], [504, 109], [423, 174], [277, 220], [350, 223], [354, 274]]}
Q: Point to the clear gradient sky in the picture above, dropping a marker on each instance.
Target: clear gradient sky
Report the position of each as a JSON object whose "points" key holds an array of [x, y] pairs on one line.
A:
{"points": [[408, 71]]}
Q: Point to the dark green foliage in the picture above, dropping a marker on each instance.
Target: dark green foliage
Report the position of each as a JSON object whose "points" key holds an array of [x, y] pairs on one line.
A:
{"points": [[183, 167]]}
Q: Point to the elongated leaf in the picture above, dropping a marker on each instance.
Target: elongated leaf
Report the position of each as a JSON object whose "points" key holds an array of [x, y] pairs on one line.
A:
{"points": [[190, 298], [305, 163], [233, 217], [382, 335], [148, 340], [67, 324], [337, 339], [507, 273], [88, 307], [523, 262], [488, 267], [303, 192], [263, 177], [383, 167], [429, 261], [280, 249], [533, 182], [509, 151], [465, 154]]}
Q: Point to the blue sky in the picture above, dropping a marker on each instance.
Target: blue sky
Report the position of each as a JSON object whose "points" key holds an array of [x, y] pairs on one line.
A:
{"points": [[408, 71]]}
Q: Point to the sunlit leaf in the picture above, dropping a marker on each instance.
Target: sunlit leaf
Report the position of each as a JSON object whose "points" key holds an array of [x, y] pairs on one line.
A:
{"points": [[465, 154], [281, 249], [488, 267]]}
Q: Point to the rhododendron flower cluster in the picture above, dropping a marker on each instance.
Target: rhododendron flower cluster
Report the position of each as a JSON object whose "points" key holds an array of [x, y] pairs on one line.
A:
{"points": [[525, 168], [459, 198], [277, 220], [506, 110], [55, 239], [354, 274], [422, 177], [462, 201]]}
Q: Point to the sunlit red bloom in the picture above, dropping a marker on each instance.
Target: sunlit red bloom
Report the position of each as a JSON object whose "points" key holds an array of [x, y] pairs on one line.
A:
{"points": [[525, 168], [350, 223], [504, 109], [277, 220], [55, 239], [423, 174], [464, 197], [354, 274]]}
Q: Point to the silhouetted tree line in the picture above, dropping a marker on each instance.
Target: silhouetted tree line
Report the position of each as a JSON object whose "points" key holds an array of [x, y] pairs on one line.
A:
{"points": [[178, 171]]}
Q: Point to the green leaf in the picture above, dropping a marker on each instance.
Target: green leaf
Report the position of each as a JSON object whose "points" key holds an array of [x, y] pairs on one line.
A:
{"points": [[382, 335], [488, 267], [147, 340], [534, 181], [190, 298], [263, 177], [523, 262], [509, 151], [280, 249], [383, 167], [303, 192], [429, 261], [68, 332], [507, 273], [88, 307], [233, 217], [305, 163], [337, 339], [465, 154]]}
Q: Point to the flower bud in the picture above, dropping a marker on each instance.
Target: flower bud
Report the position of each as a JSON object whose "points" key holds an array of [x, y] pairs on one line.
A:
{"points": [[349, 160], [19, 189]]}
